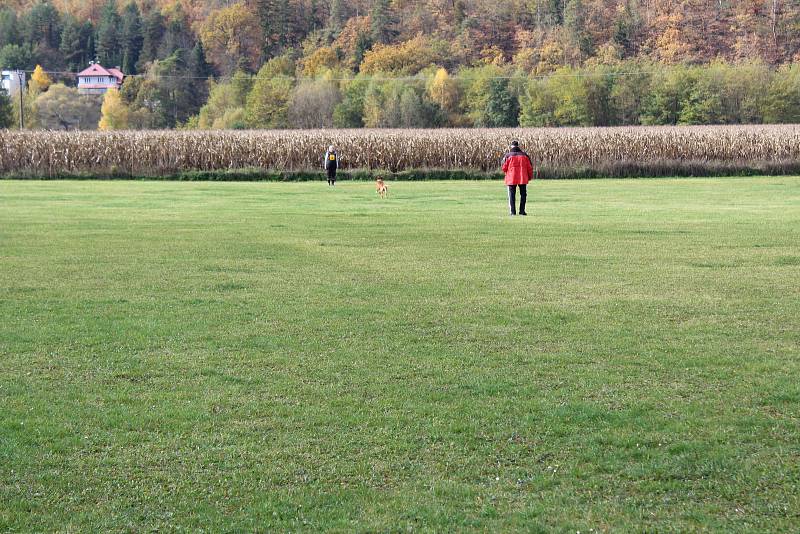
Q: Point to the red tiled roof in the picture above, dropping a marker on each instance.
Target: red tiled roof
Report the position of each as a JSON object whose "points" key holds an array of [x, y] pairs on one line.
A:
{"points": [[95, 70], [117, 74]]}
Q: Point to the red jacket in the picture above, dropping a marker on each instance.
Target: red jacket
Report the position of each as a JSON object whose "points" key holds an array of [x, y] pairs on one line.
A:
{"points": [[518, 168]]}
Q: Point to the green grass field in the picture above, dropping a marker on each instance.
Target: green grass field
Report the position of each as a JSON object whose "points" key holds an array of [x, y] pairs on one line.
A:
{"points": [[276, 357]]}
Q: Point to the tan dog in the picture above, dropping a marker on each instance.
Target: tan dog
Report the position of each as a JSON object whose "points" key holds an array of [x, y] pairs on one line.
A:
{"points": [[380, 187]]}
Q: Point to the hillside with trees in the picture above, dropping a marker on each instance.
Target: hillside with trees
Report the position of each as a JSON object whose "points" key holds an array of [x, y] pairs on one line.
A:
{"points": [[398, 63]]}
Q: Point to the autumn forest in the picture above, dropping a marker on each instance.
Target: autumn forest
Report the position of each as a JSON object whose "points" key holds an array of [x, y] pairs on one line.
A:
{"points": [[222, 64]]}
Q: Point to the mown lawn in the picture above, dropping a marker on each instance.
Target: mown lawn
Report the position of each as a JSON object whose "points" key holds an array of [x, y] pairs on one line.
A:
{"points": [[276, 357]]}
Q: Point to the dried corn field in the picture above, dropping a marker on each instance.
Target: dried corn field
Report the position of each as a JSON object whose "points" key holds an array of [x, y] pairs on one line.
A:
{"points": [[556, 152]]}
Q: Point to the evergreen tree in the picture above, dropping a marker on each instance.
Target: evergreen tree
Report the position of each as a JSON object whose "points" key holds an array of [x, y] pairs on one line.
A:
{"points": [[459, 12], [296, 23], [153, 32], [547, 12], [626, 28], [312, 22], [555, 11], [15, 57], [70, 47], [575, 17], [502, 107], [108, 36], [172, 100], [198, 63], [42, 26], [283, 25], [272, 17], [416, 111], [9, 27], [131, 38], [363, 44], [382, 21], [88, 36], [77, 44], [199, 70]]}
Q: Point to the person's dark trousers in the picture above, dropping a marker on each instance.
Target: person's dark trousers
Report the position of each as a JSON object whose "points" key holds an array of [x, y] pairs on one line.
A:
{"points": [[512, 199], [331, 176]]}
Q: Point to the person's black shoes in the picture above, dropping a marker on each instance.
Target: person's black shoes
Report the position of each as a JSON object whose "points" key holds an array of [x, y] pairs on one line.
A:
{"points": [[523, 213]]}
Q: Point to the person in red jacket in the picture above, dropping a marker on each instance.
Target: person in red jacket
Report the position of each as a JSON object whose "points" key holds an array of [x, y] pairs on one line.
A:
{"points": [[519, 171]]}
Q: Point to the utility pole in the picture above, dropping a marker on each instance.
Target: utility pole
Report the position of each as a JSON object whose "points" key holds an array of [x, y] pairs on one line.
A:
{"points": [[21, 108]]}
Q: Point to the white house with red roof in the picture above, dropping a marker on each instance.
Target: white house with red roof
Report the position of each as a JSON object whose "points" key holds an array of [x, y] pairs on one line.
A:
{"points": [[96, 80]]}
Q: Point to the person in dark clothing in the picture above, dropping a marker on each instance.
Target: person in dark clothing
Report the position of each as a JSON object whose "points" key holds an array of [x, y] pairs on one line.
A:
{"points": [[519, 171], [331, 164]]}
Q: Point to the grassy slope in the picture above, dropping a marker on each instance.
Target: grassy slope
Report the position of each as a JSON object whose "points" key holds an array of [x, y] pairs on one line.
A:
{"points": [[285, 356]]}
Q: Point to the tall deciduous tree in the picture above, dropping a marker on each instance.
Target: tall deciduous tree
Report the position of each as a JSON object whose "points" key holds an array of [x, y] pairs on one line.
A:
{"points": [[783, 104], [63, 108], [559, 100], [312, 104], [178, 34], [268, 102], [231, 37], [349, 113], [41, 78], [443, 90], [114, 112], [225, 106]]}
